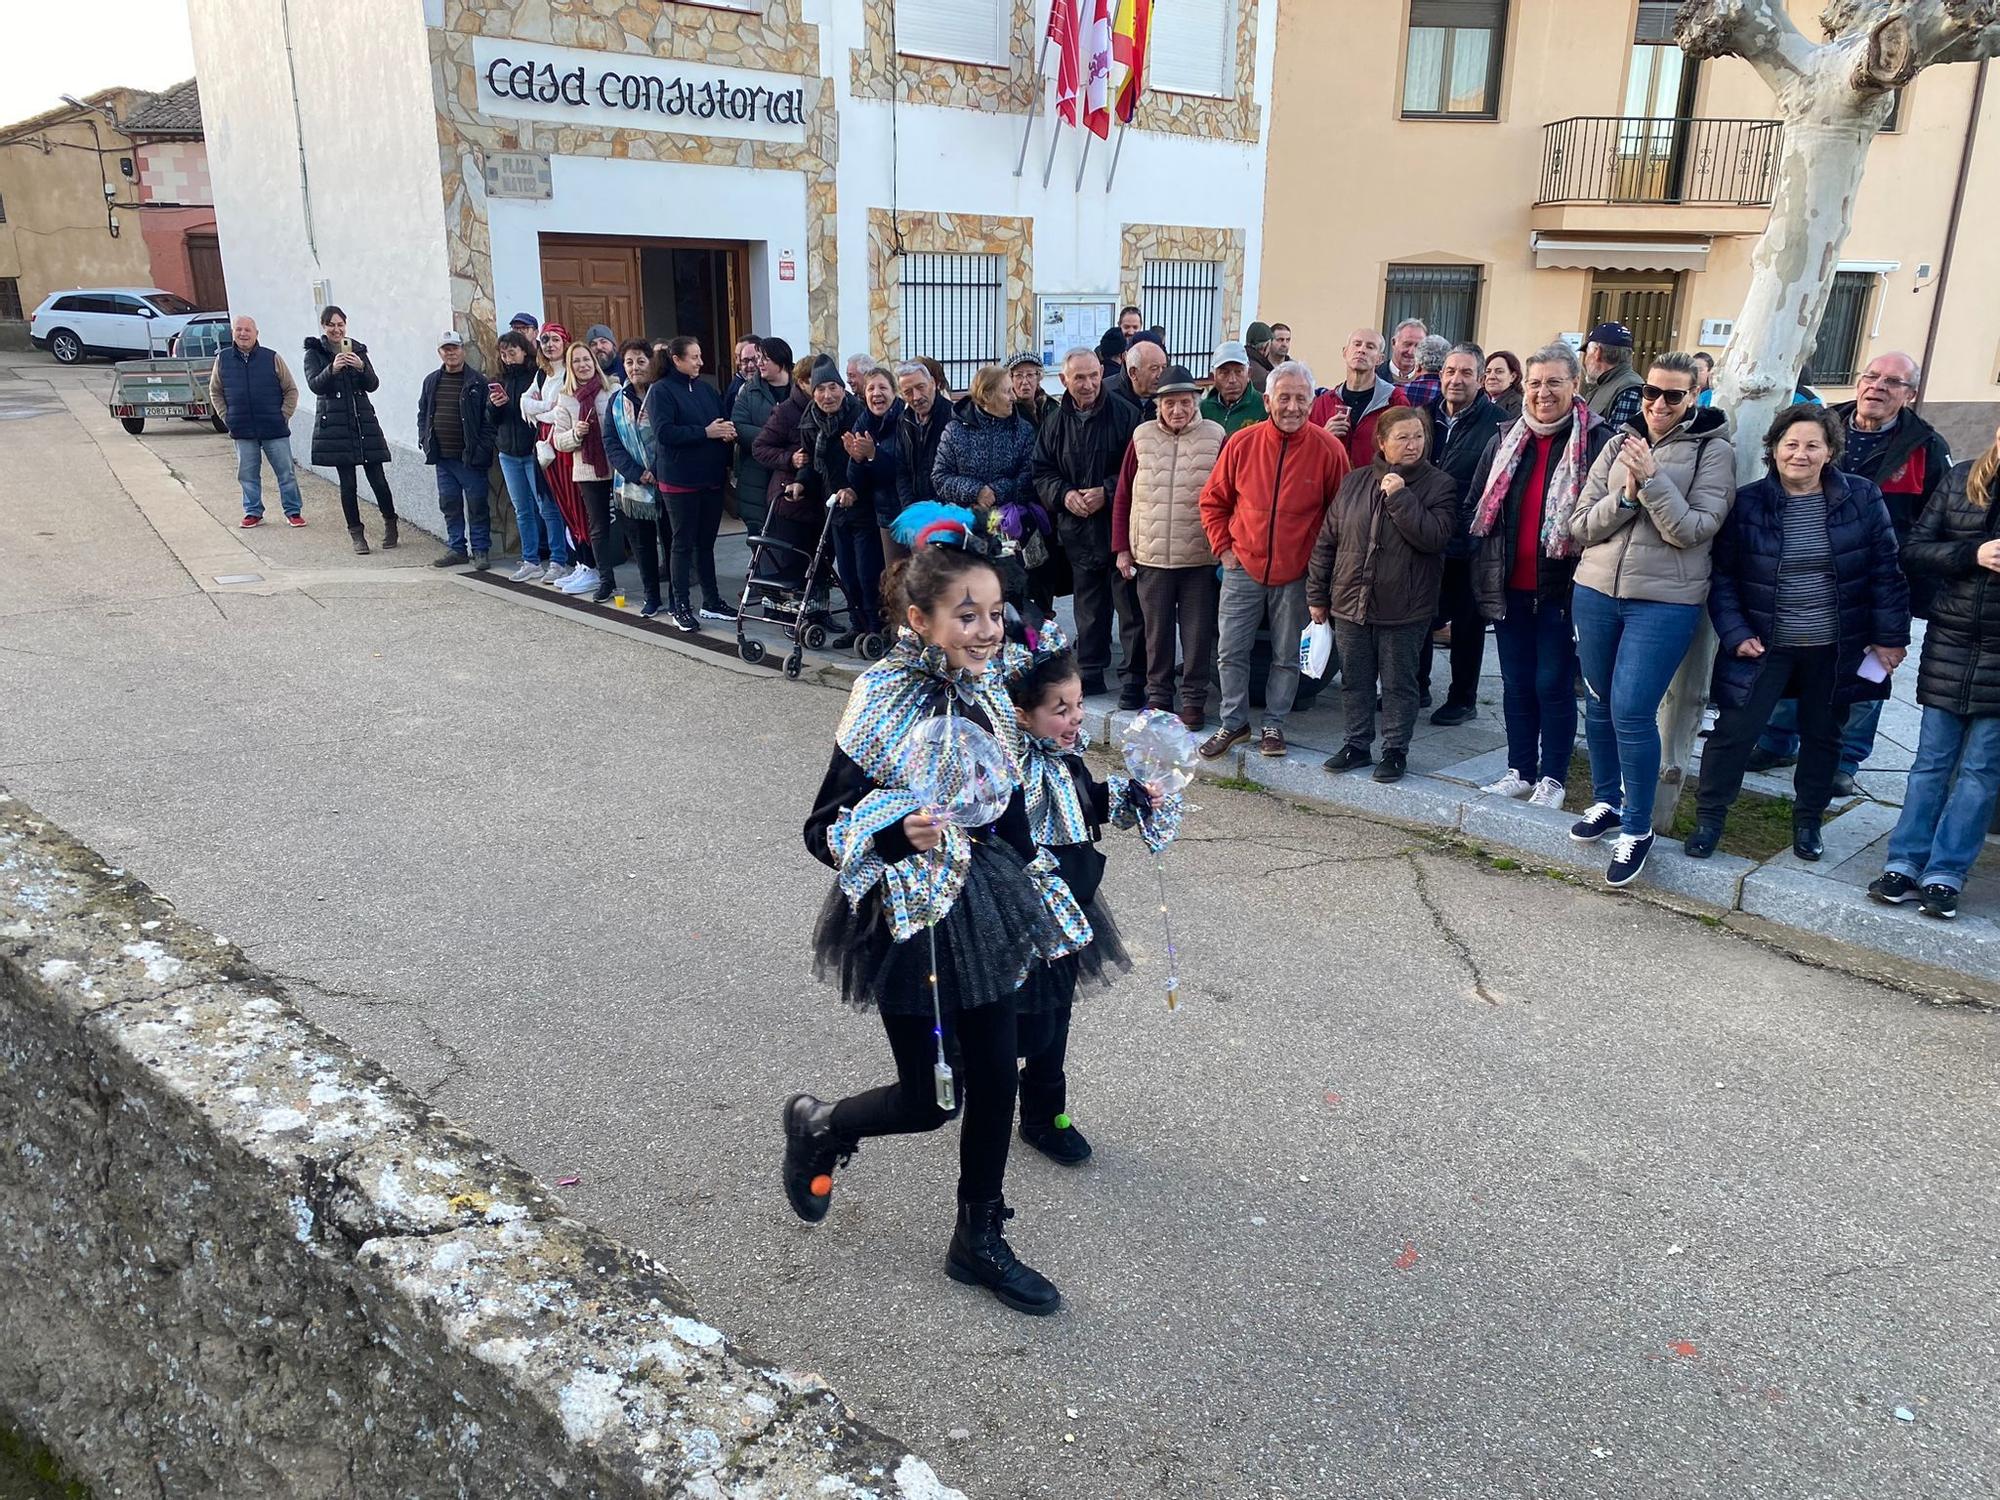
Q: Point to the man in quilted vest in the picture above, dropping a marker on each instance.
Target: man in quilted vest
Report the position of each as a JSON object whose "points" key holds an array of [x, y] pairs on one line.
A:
{"points": [[1157, 531], [253, 392]]}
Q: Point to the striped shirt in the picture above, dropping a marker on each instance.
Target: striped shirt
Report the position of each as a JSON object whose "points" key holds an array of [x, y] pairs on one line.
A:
{"points": [[1808, 613]]}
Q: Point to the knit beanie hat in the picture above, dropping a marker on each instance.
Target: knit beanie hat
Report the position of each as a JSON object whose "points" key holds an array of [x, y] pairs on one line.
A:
{"points": [[826, 372], [1256, 334]]}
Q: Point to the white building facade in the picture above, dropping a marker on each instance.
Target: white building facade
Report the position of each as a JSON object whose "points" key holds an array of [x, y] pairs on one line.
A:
{"points": [[851, 175]]}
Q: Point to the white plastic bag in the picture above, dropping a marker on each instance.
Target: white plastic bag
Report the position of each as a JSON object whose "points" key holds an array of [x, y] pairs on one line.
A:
{"points": [[1315, 649]]}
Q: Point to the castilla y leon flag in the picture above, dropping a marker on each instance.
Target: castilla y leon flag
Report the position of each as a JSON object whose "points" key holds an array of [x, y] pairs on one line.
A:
{"points": [[1097, 92], [1062, 32], [1128, 55]]}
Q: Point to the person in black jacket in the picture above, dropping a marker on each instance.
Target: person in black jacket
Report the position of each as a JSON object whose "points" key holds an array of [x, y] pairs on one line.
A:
{"points": [[874, 445], [346, 434], [455, 422], [1888, 444], [823, 458], [921, 424], [1955, 779], [514, 436], [693, 439], [1463, 421], [1078, 453], [1808, 601]]}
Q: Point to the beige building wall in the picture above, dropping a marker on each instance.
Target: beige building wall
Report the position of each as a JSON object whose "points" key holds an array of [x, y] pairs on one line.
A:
{"points": [[56, 234], [1353, 189]]}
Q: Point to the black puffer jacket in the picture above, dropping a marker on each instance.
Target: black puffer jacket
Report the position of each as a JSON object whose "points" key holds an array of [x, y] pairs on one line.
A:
{"points": [[1869, 592], [1457, 445], [345, 430], [1960, 670]]}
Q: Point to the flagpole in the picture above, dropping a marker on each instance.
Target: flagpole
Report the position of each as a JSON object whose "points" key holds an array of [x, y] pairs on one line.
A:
{"points": [[1084, 159], [1055, 139], [1117, 152], [1034, 103]]}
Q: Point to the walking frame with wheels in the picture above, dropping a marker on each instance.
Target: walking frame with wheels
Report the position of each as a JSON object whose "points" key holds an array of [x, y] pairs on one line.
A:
{"points": [[814, 621]]}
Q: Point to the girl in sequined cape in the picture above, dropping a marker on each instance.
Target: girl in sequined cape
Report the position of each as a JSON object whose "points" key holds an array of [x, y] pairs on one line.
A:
{"points": [[1068, 808], [991, 899]]}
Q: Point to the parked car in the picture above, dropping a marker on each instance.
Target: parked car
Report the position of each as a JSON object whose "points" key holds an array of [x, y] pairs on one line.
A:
{"points": [[205, 336], [115, 322]]}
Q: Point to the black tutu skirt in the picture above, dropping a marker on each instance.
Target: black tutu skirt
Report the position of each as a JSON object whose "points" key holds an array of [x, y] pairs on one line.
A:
{"points": [[993, 931]]}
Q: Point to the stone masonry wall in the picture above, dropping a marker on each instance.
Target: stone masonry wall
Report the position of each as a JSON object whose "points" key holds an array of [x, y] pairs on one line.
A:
{"points": [[236, 1259]]}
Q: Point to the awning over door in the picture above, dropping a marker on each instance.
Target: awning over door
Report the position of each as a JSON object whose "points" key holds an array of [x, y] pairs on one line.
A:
{"points": [[1557, 253]]}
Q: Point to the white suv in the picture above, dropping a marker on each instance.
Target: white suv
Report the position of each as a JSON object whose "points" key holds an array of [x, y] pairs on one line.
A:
{"points": [[120, 322]]}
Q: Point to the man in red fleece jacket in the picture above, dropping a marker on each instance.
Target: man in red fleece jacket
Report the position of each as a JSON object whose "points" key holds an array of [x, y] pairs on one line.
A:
{"points": [[1262, 509]]}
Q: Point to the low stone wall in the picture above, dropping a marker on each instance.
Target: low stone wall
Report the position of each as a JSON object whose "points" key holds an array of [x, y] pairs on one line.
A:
{"points": [[236, 1259]]}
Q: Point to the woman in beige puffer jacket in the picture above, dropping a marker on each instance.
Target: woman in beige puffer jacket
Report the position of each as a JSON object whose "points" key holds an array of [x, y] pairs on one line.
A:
{"points": [[1654, 500]]}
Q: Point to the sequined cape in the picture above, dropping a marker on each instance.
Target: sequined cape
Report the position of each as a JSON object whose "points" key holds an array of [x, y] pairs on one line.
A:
{"points": [[1056, 814], [912, 683]]}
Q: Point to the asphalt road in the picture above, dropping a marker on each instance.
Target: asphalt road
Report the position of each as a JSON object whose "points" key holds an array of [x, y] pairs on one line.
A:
{"points": [[1445, 1182]]}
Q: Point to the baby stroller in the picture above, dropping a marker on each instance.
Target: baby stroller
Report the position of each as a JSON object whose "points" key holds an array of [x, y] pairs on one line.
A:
{"points": [[814, 620]]}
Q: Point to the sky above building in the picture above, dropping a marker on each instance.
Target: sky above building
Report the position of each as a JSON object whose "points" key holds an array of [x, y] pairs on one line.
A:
{"points": [[86, 45]]}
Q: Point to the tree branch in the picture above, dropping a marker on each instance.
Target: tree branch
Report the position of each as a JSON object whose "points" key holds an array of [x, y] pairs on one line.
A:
{"points": [[1758, 31], [1933, 31]]}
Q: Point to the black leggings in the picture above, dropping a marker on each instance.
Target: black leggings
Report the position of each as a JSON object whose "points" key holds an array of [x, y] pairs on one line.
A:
{"points": [[596, 495], [350, 497], [642, 540], [696, 516], [982, 1040]]}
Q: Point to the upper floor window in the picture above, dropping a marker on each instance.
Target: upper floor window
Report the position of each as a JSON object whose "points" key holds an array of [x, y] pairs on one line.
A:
{"points": [[1453, 63], [969, 31], [1837, 351], [1197, 53]]}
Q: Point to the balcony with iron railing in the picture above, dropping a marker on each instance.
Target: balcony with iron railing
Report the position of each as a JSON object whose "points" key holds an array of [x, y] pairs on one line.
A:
{"points": [[1603, 172]]}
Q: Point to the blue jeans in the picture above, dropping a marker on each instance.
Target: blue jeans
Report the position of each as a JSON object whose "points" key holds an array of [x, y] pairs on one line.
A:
{"points": [[520, 476], [1537, 686], [1629, 650], [555, 535], [1857, 739], [857, 554], [461, 488], [250, 474], [1953, 785]]}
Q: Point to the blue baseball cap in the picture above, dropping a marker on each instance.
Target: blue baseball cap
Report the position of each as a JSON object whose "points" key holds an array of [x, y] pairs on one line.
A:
{"points": [[524, 320]]}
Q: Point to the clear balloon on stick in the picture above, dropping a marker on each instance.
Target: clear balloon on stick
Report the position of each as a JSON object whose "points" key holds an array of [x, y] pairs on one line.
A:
{"points": [[1160, 753], [961, 776]]}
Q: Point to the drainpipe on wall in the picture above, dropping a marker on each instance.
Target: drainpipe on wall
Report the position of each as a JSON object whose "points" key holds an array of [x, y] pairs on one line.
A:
{"points": [[1951, 229]]}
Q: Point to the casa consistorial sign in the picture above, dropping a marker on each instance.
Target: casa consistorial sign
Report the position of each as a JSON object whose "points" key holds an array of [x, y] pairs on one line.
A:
{"points": [[634, 91]]}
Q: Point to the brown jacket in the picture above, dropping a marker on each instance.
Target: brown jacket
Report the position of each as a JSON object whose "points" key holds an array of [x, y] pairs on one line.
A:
{"points": [[1156, 515], [1379, 560]]}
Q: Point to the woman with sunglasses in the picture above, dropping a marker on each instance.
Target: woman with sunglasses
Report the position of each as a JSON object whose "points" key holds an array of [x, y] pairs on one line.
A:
{"points": [[1654, 500]]}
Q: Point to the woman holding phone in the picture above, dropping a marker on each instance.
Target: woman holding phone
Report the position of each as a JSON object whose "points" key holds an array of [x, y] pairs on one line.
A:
{"points": [[346, 434]]}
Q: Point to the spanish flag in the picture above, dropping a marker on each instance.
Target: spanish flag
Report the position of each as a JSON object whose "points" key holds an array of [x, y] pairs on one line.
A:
{"points": [[1128, 55]]}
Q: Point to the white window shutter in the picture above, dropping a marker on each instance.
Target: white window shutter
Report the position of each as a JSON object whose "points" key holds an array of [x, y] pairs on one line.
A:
{"points": [[975, 31], [1192, 47]]}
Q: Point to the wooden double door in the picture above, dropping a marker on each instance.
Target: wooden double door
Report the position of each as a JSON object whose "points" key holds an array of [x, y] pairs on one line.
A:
{"points": [[1644, 302], [652, 289]]}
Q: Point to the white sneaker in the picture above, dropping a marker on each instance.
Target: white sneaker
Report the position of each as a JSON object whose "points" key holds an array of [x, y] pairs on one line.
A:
{"points": [[1510, 785], [526, 573], [1548, 792], [582, 581], [557, 572]]}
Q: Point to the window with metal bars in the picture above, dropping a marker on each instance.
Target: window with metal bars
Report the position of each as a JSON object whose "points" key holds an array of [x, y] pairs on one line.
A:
{"points": [[1445, 297], [955, 312], [1837, 352], [1185, 298], [10, 299]]}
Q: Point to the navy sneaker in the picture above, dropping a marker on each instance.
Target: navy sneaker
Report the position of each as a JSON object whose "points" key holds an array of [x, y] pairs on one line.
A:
{"points": [[1599, 819], [1939, 901], [1628, 858]]}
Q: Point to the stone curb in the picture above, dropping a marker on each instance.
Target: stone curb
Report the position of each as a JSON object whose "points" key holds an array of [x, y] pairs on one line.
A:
{"points": [[241, 1259]]}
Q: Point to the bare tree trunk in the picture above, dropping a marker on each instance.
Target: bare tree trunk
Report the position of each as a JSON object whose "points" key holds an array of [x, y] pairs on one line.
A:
{"points": [[1791, 274]]}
